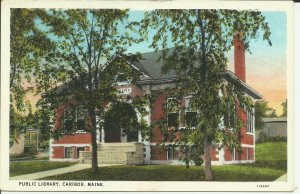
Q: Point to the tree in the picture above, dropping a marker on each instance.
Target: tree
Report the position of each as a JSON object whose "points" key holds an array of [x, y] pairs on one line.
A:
{"points": [[28, 46], [200, 39], [284, 108], [261, 111], [272, 114], [91, 51]]}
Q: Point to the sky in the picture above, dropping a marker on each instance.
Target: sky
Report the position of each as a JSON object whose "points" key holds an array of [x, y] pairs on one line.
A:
{"points": [[266, 67]]}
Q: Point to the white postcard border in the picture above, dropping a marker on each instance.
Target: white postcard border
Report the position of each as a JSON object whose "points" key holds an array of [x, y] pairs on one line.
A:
{"points": [[13, 185]]}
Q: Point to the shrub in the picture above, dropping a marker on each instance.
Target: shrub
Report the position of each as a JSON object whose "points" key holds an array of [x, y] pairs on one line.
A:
{"points": [[263, 137]]}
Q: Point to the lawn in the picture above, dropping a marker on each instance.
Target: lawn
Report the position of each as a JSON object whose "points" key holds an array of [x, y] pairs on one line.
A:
{"points": [[27, 167], [173, 173], [271, 164]]}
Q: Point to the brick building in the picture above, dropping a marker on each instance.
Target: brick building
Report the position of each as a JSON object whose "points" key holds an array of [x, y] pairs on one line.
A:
{"points": [[114, 147]]}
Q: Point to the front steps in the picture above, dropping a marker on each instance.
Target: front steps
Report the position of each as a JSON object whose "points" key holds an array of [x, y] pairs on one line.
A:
{"points": [[116, 153]]}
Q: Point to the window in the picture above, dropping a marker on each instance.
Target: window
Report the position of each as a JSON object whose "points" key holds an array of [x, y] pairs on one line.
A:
{"points": [[173, 153], [190, 114], [74, 119], [80, 118], [173, 112], [68, 152], [250, 120], [230, 115], [68, 119]]}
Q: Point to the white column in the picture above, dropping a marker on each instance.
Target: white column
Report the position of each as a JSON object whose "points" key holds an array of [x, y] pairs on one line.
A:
{"points": [[147, 148], [50, 149], [102, 135], [139, 120], [221, 156], [140, 137], [98, 136]]}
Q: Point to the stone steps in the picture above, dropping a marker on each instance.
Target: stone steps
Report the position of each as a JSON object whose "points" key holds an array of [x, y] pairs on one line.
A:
{"points": [[116, 153]]}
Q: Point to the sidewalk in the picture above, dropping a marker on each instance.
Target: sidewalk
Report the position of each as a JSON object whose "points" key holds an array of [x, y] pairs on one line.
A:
{"points": [[283, 178], [39, 175]]}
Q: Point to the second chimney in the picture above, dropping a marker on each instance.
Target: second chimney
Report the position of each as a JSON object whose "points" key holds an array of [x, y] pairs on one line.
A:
{"points": [[239, 59]]}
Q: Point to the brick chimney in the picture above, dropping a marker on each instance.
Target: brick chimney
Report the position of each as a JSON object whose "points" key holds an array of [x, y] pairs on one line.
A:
{"points": [[239, 59]]}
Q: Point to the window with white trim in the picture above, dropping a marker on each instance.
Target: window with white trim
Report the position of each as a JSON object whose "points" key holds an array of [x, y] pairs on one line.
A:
{"points": [[230, 115], [173, 112], [69, 117], [81, 114], [68, 152], [173, 153], [74, 119], [190, 113]]}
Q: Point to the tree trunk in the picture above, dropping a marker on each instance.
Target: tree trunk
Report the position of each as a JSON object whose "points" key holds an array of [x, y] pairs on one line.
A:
{"points": [[94, 142], [207, 160]]}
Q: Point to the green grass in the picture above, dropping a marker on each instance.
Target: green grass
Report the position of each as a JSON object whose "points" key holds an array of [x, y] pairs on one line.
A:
{"points": [[271, 155], [271, 164], [172, 173], [28, 167]]}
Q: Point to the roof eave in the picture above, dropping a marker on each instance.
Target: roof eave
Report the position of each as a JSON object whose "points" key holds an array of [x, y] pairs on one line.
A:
{"points": [[248, 89]]}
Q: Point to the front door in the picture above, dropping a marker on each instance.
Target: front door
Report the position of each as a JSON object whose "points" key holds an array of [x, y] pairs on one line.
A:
{"points": [[112, 135], [78, 150]]}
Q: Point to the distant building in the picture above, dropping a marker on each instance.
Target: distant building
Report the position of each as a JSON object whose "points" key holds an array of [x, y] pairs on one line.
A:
{"points": [[27, 142], [274, 127]]}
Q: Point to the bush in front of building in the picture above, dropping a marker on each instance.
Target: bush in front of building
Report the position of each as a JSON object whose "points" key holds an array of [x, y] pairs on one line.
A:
{"points": [[263, 137]]}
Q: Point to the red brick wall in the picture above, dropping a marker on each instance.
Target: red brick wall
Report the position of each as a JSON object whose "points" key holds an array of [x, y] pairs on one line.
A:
{"points": [[251, 154], [137, 91], [59, 113], [157, 113], [227, 154], [213, 154], [157, 153], [84, 138], [244, 153], [245, 138], [58, 152]]}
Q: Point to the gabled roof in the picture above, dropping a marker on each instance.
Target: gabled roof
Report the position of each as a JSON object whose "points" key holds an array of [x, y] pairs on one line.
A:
{"points": [[151, 66]]}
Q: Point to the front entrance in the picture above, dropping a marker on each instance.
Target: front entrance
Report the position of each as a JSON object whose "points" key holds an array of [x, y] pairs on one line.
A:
{"points": [[78, 150], [112, 135], [121, 124]]}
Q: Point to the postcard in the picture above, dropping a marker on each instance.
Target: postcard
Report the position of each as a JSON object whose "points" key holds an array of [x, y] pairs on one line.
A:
{"points": [[147, 96]]}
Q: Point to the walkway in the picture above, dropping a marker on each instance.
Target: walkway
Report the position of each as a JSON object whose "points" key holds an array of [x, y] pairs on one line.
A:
{"points": [[39, 175], [283, 178]]}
